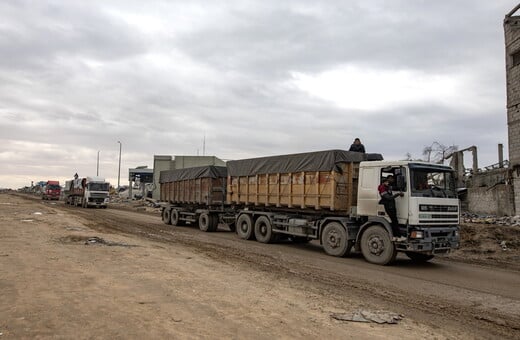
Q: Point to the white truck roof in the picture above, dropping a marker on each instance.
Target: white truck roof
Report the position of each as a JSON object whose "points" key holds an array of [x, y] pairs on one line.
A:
{"points": [[93, 179]]}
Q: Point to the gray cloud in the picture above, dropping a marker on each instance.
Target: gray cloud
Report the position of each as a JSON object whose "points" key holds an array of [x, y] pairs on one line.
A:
{"points": [[77, 77]]}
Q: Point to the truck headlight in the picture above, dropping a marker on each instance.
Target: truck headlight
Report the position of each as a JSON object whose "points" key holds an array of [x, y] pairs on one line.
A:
{"points": [[417, 234]]}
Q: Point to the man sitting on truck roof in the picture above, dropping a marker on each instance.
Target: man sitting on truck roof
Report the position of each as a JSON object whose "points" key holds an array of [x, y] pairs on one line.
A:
{"points": [[357, 146], [388, 200]]}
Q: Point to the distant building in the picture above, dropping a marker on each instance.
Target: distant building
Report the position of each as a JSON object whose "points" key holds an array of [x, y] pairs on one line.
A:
{"points": [[162, 163]]}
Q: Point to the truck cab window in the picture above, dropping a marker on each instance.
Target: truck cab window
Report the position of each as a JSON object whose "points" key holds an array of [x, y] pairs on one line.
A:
{"points": [[432, 183], [399, 175]]}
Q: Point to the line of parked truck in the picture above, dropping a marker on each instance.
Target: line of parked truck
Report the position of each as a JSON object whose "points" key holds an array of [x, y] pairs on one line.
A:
{"points": [[85, 192], [329, 196]]}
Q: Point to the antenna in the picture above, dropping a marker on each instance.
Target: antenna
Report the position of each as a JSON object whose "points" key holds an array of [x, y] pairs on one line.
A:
{"points": [[204, 146]]}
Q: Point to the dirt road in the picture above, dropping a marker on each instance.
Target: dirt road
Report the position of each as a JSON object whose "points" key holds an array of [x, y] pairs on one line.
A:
{"points": [[157, 281]]}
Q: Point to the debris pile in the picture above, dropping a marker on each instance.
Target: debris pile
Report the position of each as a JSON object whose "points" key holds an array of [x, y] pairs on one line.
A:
{"points": [[143, 204], [491, 219]]}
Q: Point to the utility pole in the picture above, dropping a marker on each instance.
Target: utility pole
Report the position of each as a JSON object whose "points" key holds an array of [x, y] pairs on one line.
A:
{"points": [[97, 167], [119, 169]]}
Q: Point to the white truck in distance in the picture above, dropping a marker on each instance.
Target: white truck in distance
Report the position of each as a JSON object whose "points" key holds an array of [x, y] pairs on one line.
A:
{"points": [[87, 192]]}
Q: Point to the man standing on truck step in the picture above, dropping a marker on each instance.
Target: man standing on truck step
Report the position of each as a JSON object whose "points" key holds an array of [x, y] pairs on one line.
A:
{"points": [[357, 146], [388, 200]]}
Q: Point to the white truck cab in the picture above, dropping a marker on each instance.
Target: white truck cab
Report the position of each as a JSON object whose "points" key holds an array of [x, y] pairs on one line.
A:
{"points": [[96, 192], [428, 211]]}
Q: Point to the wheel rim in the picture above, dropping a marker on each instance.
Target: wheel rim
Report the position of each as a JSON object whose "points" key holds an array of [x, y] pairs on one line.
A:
{"points": [[263, 229], [244, 227], [334, 239], [204, 222], [376, 245]]}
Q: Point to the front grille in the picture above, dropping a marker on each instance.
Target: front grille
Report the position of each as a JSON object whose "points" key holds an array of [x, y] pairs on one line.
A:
{"points": [[438, 208], [438, 216]]}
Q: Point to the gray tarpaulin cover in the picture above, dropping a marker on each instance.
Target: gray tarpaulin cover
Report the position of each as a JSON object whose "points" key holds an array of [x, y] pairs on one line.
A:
{"points": [[209, 171], [309, 161]]}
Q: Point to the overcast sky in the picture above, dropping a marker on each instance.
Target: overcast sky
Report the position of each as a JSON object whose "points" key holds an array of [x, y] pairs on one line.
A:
{"points": [[256, 78]]}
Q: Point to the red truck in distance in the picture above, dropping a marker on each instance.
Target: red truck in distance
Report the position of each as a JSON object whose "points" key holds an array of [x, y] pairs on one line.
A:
{"points": [[51, 190]]}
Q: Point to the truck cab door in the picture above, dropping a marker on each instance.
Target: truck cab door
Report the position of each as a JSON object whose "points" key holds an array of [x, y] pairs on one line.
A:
{"points": [[400, 184], [402, 203]]}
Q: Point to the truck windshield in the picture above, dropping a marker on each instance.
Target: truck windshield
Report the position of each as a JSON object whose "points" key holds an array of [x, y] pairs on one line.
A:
{"points": [[98, 186], [432, 183], [53, 187]]}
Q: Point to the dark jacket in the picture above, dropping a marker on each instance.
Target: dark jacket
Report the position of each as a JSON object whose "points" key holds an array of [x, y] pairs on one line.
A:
{"points": [[357, 148]]}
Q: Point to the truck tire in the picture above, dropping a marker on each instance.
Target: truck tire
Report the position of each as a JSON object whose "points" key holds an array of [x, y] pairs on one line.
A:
{"points": [[245, 227], [206, 221], [175, 218], [213, 222], [334, 239], [166, 216], [418, 257], [263, 230], [376, 246]]}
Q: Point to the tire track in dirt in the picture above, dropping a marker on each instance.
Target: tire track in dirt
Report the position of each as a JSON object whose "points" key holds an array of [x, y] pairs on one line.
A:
{"points": [[432, 310]]}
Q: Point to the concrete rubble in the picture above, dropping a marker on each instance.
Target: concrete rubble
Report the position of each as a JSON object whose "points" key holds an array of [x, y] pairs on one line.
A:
{"points": [[490, 219], [146, 204]]}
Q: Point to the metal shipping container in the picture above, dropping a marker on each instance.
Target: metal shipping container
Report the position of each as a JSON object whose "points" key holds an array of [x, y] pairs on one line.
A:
{"points": [[323, 180], [204, 185]]}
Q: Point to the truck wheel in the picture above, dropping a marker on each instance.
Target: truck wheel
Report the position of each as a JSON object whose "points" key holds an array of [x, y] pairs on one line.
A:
{"points": [[335, 240], [205, 222], [418, 257], [263, 230], [376, 246], [166, 216], [213, 222], [175, 218], [245, 227]]}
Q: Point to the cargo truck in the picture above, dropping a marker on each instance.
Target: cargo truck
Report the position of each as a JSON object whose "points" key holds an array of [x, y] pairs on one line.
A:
{"points": [[330, 196], [51, 190], [87, 192]]}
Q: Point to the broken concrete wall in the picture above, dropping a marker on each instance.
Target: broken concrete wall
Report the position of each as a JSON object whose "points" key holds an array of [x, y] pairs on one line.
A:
{"points": [[491, 192], [488, 178], [491, 200]]}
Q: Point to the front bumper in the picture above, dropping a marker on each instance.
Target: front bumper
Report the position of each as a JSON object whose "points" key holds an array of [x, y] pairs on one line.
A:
{"points": [[436, 241]]}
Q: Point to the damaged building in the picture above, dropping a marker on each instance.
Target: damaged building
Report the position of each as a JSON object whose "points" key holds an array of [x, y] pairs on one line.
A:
{"points": [[512, 42], [496, 189]]}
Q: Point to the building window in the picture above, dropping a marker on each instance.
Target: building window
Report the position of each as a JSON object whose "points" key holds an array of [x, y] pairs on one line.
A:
{"points": [[516, 58]]}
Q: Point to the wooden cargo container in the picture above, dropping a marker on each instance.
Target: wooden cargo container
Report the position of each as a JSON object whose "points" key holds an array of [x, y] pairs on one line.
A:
{"points": [[322, 181], [204, 185]]}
